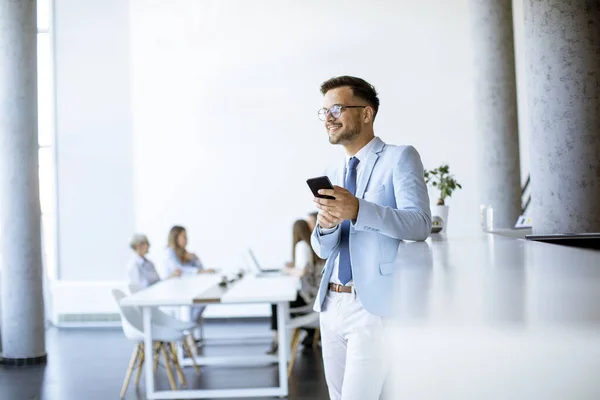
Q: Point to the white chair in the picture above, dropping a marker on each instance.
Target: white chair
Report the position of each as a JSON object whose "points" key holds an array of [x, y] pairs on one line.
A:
{"points": [[307, 309], [296, 325], [131, 321], [161, 318]]}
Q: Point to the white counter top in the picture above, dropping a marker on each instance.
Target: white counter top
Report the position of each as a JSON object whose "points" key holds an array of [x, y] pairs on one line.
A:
{"points": [[492, 317], [489, 279]]}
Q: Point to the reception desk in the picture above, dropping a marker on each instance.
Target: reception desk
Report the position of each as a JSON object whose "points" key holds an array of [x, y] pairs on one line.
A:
{"points": [[489, 316]]}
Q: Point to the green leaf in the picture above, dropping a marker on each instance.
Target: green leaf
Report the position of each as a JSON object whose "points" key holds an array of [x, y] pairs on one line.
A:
{"points": [[441, 179]]}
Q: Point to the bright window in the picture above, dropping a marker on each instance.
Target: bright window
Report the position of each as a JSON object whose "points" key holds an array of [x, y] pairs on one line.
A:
{"points": [[46, 135]]}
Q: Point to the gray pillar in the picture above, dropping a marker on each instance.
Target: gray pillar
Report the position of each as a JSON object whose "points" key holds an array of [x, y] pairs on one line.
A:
{"points": [[20, 244], [562, 42], [496, 109]]}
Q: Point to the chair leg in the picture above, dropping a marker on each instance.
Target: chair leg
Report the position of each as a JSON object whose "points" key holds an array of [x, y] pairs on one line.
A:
{"points": [[201, 330], [168, 367], [173, 353], [132, 363], [295, 342], [186, 346], [189, 339], [316, 338], [157, 346], [140, 366]]}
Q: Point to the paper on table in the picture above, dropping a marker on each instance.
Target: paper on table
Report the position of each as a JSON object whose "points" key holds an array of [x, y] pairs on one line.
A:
{"points": [[189, 271]]}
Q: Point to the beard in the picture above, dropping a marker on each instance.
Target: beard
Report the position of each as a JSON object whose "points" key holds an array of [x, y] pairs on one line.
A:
{"points": [[347, 135]]}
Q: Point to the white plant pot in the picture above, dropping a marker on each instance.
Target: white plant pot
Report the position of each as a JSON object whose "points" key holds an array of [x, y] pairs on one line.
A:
{"points": [[439, 218]]}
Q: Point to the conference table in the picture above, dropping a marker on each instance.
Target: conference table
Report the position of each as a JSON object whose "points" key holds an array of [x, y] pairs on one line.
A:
{"points": [[205, 289]]}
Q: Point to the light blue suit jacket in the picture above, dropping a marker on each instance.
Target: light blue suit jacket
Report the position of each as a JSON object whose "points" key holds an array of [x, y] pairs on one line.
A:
{"points": [[393, 205]]}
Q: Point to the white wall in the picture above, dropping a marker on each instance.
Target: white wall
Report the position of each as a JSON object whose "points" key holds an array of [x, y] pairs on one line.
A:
{"points": [[225, 98], [93, 138]]}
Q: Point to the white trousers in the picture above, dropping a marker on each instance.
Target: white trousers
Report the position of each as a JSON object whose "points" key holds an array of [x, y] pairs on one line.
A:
{"points": [[354, 348]]}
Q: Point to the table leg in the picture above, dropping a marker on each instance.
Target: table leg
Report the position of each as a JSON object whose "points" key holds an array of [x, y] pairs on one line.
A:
{"points": [[282, 321], [148, 348]]}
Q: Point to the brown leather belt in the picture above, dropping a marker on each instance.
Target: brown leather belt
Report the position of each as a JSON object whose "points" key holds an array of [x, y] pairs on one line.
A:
{"points": [[334, 287]]}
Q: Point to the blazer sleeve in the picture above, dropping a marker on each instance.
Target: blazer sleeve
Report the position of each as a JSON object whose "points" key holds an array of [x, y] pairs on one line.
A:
{"points": [[324, 243], [411, 218]]}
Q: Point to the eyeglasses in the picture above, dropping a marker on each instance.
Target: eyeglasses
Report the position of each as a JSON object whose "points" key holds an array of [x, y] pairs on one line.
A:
{"points": [[335, 111]]}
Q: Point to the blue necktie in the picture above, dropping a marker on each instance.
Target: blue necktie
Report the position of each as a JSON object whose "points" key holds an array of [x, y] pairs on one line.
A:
{"points": [[345, 267]]}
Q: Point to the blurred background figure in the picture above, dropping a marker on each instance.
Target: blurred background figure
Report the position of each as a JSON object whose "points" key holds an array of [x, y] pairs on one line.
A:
{"points": [[178, 258], [307, 266], [311, 219], [141, 272], [180, 261]]}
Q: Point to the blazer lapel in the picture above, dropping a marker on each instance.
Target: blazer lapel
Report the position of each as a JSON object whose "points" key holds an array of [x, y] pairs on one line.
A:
{"points": [[369, 165], [366, 175]]}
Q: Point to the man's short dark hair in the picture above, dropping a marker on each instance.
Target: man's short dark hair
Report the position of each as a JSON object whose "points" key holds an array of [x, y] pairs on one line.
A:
{"points": [[360, 88]]}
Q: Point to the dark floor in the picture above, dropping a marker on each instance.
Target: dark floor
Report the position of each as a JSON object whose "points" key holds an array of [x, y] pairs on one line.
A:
{"points": [[91, 364]]}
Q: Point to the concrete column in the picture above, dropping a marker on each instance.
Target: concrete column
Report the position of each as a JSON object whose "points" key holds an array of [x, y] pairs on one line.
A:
{"points": [[562, 42], [496, 109], [20, 244]]}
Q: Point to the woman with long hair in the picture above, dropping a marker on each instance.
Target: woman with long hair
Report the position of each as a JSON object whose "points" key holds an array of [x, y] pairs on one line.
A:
{"points": [[182, 262], [307, 266], [178, 258]]}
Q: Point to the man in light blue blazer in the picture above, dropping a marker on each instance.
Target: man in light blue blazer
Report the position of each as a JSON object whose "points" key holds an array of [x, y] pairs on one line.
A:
{"points": [[380, 199]]}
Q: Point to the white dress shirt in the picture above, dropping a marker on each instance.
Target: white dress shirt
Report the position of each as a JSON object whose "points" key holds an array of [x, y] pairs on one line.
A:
{"points": [[141, 272], [362, 157]]}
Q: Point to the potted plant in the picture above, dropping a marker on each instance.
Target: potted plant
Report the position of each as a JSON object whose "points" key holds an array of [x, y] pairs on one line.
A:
{"points": [[445, 183]]}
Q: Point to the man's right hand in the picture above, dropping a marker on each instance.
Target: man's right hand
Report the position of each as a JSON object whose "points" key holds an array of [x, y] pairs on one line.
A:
{"points": [[327, 221]]}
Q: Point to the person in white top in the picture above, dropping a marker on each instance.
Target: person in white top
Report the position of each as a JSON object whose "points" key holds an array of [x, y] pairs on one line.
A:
{"points": [[141, 271], [178, 258], [180, 261], [307, 266]]}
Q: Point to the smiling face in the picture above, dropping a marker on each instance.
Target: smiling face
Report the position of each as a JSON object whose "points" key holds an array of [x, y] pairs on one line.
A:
{"points": [[349, 125]]}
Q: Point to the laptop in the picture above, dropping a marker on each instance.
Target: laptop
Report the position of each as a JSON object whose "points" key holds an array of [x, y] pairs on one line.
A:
{"points": [[260, 270]]}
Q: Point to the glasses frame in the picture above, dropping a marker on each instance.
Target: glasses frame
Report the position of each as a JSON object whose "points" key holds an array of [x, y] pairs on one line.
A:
{"points": [[323, 112]]}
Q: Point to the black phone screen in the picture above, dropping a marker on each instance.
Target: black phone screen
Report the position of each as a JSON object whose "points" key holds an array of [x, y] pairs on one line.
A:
{"points": [[320, 182]]}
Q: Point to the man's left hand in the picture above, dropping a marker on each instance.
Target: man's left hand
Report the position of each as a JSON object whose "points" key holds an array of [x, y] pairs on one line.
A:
{"points": [[345, 205]]}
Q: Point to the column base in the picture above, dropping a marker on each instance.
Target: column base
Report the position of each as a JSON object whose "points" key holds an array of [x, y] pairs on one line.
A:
{"points": [[23, 362]]}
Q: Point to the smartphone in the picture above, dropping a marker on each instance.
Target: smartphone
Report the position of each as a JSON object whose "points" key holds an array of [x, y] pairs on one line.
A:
{"points": [[320, 182]]}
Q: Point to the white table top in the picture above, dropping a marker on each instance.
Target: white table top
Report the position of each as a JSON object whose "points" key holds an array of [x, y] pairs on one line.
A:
{"points": [[202, 288], [264, 289]]}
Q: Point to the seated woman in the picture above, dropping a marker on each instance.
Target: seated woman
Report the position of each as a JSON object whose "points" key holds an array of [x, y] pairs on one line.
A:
{"points": [[141, 271], [178, 258], [307, 266]]}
